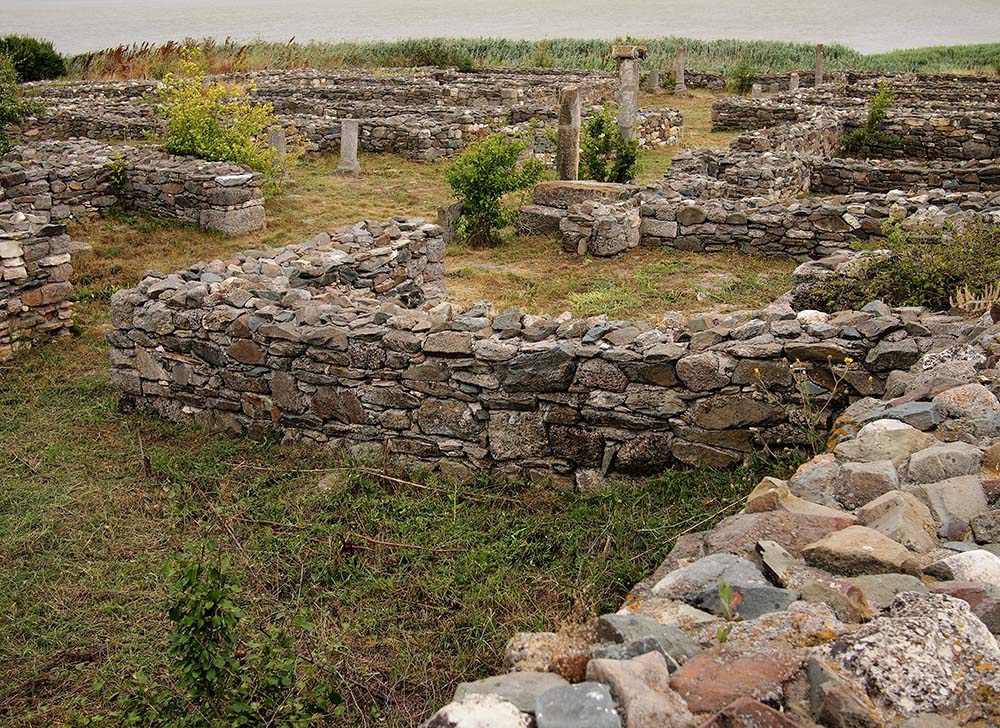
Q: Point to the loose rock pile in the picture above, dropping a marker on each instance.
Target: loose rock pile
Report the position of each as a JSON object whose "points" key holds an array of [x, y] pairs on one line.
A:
{"points": [[863, 591]]}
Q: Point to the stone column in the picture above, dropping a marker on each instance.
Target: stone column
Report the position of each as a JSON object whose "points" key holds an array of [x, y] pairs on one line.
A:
{"points": [[755, 91], [348, 147], [276, 140], [679, 88], [628, 86], [819, 64], [653, 81], [793, 82], [568, 141], [775, 88]]}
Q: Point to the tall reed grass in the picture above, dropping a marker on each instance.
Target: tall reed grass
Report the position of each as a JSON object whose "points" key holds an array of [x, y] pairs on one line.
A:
{"points": [[154, 61]]}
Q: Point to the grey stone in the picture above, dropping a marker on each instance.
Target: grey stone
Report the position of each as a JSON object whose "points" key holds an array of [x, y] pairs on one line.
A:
{"points": [[519, 688], [754, 601], [835, 702], [707, 573], [925, 655], [902, 517], [584, 705], [881, 589], [641, 686], [705, 371], [948, 460], [862, 482], [896, 445], [954, 502], [967, 400], [625, 628], [922, 415], [976, 566], [986, 527]]}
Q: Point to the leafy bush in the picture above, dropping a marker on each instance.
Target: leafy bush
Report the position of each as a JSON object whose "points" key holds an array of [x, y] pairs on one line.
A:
{"points": [[480, 178], [741, 76], [34, 59], [919, 270], [604, 155], [873, 132], [13, 108], [216, 121], [219, 679]]}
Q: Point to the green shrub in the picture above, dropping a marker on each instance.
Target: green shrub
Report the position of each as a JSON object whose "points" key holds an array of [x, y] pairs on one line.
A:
{"points": [[604, 155], [920, 270], [741, 76], [218, 677], [873, 132], [13, 108], [34, 59], [216, 121], [480, 178]]}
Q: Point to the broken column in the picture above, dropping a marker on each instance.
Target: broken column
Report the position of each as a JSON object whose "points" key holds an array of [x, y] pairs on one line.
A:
{"points": [[348, 147], [276, 140], [653, 81], [775, 88], [793, 82], [819, 64], [755, 91], [679, 88], [568, 140], [628, 57]]}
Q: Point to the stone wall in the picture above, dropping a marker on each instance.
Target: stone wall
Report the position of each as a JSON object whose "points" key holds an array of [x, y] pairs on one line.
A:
{"points": [[843, 176], [424, 115], [322, 342], [80, 178], [35, 268]]}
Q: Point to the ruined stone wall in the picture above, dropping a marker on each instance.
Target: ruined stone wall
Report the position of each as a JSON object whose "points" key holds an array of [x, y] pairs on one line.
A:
{"points": [[81, 178], [422, 116], [35, 268], [280, 339], [806, 229], [837, 176]]}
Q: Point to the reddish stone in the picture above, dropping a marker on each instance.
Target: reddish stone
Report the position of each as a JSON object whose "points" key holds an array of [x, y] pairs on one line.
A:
{"points": [[712, 680], [244, 350], [983, 598], [45, 295], [747, 713]]}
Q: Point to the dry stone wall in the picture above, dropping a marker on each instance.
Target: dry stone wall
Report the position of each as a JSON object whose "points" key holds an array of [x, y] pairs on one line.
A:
{"points": [[423, 115], [35, 290], [80, 178], [338, 342]]}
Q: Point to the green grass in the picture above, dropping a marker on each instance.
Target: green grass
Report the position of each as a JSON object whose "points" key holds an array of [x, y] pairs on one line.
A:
{"points": [[715, 55], [84, 528]]}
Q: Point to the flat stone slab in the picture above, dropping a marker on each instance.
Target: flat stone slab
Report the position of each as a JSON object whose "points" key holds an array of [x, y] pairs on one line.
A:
{"points": [[584, 705], [519, 688]]}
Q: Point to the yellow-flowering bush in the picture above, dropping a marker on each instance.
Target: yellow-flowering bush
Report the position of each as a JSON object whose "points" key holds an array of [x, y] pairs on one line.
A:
{"points": [[216, 121]]}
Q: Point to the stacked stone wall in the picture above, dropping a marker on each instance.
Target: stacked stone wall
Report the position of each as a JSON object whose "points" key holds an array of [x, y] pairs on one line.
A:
{"points": [[290, 339], [81, 178], [35, 267]]}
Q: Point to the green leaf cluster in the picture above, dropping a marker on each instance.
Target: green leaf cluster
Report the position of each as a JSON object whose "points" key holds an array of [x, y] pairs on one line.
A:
{"points": [[605, 156], [480, 178], [919, 270], [33, 59], [216, 121], [13, 108], [873, 132]]}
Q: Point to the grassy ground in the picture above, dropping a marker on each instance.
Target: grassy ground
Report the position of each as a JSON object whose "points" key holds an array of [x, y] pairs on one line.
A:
{"points": [[84, 527], [412, 586], [716, 55]]}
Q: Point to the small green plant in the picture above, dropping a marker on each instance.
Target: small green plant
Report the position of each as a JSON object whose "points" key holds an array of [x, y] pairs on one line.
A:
{"points": [[218, 678], [741, 76], [541, 56], [33, 59], [216, 121], [873, 132], [117, 168], [605, 156], [480, 178], [13, 109]]}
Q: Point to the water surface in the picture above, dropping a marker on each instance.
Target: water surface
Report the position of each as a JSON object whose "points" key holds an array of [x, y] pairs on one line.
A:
{"points": [[867, 25]]}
